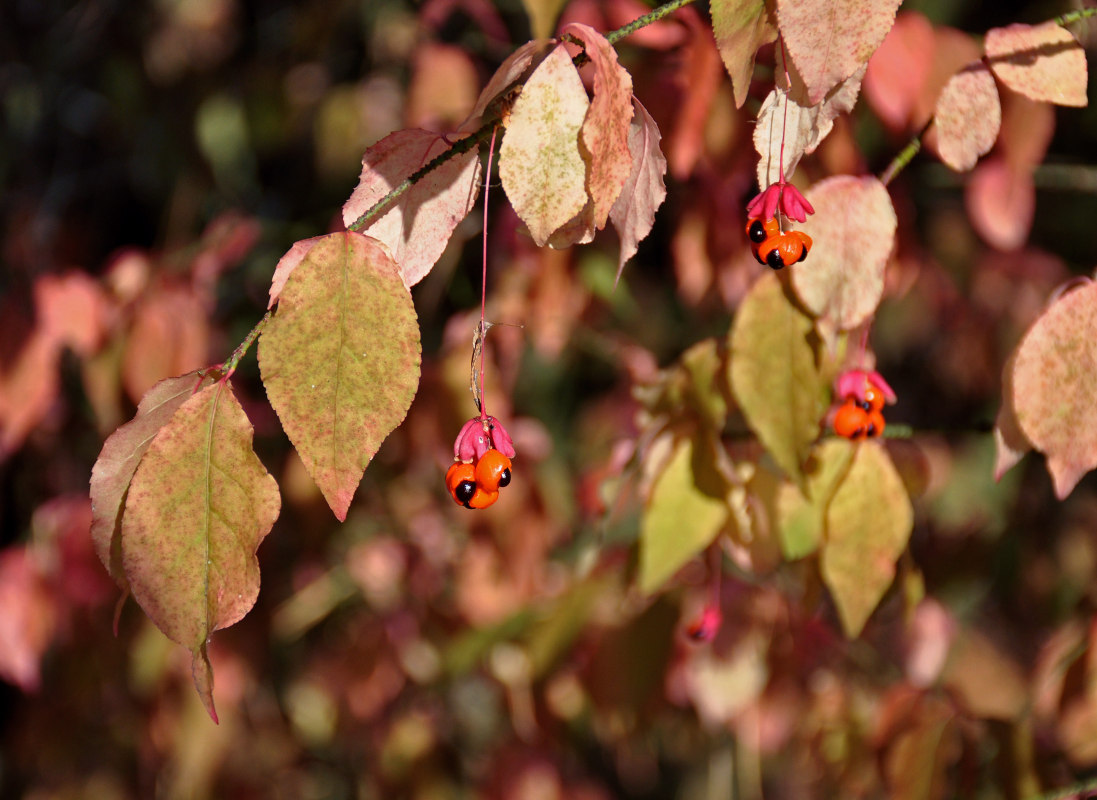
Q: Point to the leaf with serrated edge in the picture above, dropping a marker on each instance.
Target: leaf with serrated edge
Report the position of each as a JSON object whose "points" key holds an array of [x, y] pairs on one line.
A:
{"points": [[968, 117], [340, 359], [773, 374], [800, 515], [542, 170], [198, 507], [633, 215], [680, 521], [868, 524], [118, 460], [1043, 62], [418, 225], [740, 27], [853, 229], [829, 40], [605, 131], [1054, 383]]}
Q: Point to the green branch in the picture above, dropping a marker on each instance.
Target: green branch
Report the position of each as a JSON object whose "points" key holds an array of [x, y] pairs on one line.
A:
{"points": [[1075, 16]]}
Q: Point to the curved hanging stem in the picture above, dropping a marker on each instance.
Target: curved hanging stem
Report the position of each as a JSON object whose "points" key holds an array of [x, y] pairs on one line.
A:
{"points": [[483, 331]]}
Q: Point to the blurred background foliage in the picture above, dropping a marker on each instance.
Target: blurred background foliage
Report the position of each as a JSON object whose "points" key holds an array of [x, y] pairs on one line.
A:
{"points": [[159, 157]]}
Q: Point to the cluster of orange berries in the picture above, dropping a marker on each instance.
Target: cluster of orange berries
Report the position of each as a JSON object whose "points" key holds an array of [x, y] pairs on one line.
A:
{"points": [[861, 414], [772, 246], [481, 463]]}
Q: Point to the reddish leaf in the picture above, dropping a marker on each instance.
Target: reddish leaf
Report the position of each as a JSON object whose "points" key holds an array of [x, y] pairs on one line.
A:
{"points": [[1042, 62], [29, 621], [853, 229], [541, 167], [28, 388], [986, 680], [1027, 128], [968, 117], [633, 214], [829, 40], [287, 264], [170, 336], [899, 69], [1001, 201], [443, 87], [1054, 382], [198, 507], [340, 359], [863, 544], [71, 310], [773, 374], [740, 27], [118, 460], [417, 226], [510, 72], [952, 51], [698, 79], [605, 131]]}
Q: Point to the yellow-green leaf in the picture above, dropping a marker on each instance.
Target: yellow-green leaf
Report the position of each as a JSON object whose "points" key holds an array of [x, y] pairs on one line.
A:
{"points": [[340, 359], [801, 514]]}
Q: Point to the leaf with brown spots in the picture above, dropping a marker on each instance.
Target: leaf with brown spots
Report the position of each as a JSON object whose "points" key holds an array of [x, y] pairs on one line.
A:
{"points": [[1042, 62], [968, 117], [197, 509], [340, 359]]}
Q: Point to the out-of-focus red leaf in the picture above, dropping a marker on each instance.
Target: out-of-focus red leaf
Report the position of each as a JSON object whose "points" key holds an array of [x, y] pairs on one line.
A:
{"points": [[741, 27], [1043, 62], [170, 336], [1001, 201], [952, 51], [842, 279], [443, 87], [543, 15], [829, 40], [72, 310], [987, 681], [921, 750], [417, 226], [633, 213], [28, 389], [1054, 383], [900, 68], [605, 131], [196, 511], [1027, 128], [29, 619], [540, 164], [60, 529], [968, 117], [699, 77], [225, 242]]}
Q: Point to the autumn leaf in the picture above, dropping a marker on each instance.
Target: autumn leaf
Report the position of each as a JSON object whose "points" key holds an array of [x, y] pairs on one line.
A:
{"points": [[633, 213], [197, 509], [968, 117], [510, 72], [853, 228], [800, 514], [1054, 381], [340, 359], [287, 264], [665, 543], [543, 15], [417, 226], [1043, 62], [605, 132], [1010, 443], [773, 374], [830, 40], [1001, 202], [119, 458], [542, 170], [740, 27], [170, 336], [899, 69], [863, 544]]}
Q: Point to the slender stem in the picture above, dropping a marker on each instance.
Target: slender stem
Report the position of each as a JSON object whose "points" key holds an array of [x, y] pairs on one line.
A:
{"points": [[627, 30], [244, 346], [905, 156], [484, 275], [1075, 16]]}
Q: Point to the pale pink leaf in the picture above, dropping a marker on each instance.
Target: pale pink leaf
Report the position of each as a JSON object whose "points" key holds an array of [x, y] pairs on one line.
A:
{"points": [[1043, 62], [443, 87], [72, 310], [29, 621], [740, 27], [968, 117], [1054, 383], [1001, 201], [633, 215], [417, 226], [853, 230], [829, 40], [516, 66], [170, 336], [542, 170], [952, 51], [605, 131], [287, 264], [28, 389], [899, 69], [1027, 128]]}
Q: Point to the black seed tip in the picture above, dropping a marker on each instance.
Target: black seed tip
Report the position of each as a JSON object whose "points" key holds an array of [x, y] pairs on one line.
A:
{"points": [[803, 255], [464, 491], [773, 258], [757, 232], [504, 478], [871, 429]]}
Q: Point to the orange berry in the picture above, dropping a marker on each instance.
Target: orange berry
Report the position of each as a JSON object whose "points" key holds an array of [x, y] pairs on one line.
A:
{"points": [[482, 498], [874, 397], [461, 482], [851, 421], [493, 471], [875, 424]]}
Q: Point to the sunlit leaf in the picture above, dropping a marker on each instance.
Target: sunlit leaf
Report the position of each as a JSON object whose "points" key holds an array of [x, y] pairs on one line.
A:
{"points": [[801, 514], [197, 509], [1042, 62], [774, 376], [853, 228], [1010, 442], [516, 65], [340, 359], [899, 69], [1054, 382], [606, 130], [170, 336], [287, 264], [1001, 201], [741, 27], [829, 40], [862, 541], [667, 542], [968, 117], [418, 225], [633, 214], [541, 167], [118, 460]]}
